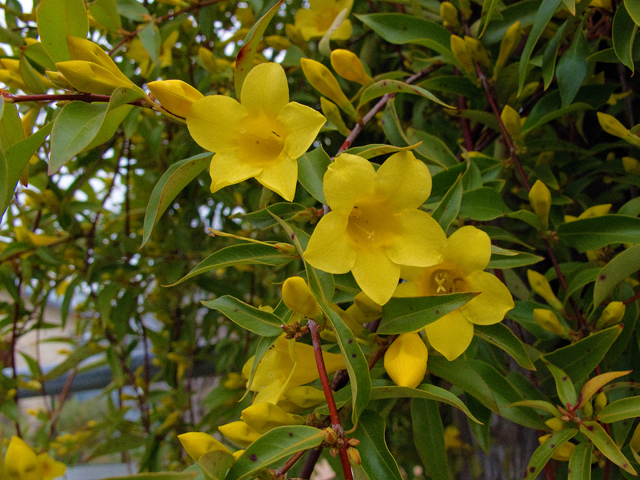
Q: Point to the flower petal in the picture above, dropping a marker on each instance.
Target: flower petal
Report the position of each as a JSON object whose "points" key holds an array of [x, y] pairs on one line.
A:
{"points": [[347, 178], [492, 304], [419, 242], [265, 89], [404, 180], [302, 125], [228, 169], [407, 289], [281, 177], [343, 32], [451, 335], [329, 248], [214, 122], [376, 275], [469, 248]]}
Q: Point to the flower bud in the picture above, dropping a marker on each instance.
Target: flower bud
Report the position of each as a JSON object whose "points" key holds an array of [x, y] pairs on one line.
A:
{"points": [[611, 315], [599, 402], [540, 199], [332, 112], [354, 457], [305, 396], [587, 410], [449, 15], [595, 211], [511, 120], [239, 432], [90, 77], [298, 297], [540, 285], [326, 83], [175, 96], [21, 462], [264, 416], [635, 440], [631, 165], [477, 51], [198, 443], [82, 49], [563, 453], [406, 360], [612, 125], [555, 424], [329, 435], [348, 66], [548, 320], [509, 43], [460, 52], [287, 249]]}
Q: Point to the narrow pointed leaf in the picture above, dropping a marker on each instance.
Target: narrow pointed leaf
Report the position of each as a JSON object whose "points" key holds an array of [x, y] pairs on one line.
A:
{"points": [[603, 442], [448, 208], [428, 437], [580, 462], [150, 38], [250, 318], [633, 8], [311, 169], [620, 410], [377, 461], [502, 337], [58, 19], [596, 383], [543, 453], [623, 32], [158, 476], [564, 386], [593, 233], [540, 405], [384, 87], [620, 267]]}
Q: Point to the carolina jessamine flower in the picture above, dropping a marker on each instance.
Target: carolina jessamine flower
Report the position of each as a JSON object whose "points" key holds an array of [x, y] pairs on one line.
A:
{"points": [[374, 226], [21, 462], [315, 21], [51, 468], [260, 137], [465, 257]]}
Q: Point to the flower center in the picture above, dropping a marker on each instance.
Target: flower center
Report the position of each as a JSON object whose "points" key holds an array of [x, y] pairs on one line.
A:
{"points": [[372, 224], [441, 281], [261, 139]]}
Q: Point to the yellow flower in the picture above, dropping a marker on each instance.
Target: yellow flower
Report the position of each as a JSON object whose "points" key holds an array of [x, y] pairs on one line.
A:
{"points": [[21, 462], [263, 416], [465, 257], [261, 137], [540, 199], [175, 95], [240, 433], [198, 443], [315, 21], [51, 468], [374, 226], [298, 297], [406, 360], [564, 451], [286, 365]]}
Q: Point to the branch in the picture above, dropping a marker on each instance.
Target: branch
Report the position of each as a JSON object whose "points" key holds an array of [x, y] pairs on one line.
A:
{"points": [[59, 97]]}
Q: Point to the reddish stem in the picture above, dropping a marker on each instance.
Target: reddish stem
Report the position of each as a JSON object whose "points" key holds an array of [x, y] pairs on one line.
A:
{"points": [[82, 97], [289, 463]]}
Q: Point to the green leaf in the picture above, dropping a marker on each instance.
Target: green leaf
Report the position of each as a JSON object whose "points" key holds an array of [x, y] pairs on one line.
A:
{"points": [[603, 442], [11, 129], [179, 175], [512, 259], [244, 59], [633, 8], [311, 169], [150, 38], [244, 254], [623, 32], [523, 12], [401, 29], [384, 87], [158, 476], [262, 219], [543, 17], [73, 360], [58, 19], [410, 314], [250, 318], [448, 208], [620, 410], [432, 148], [216, 463], [580, 462], [106, 14], [375, 150], [540, 405], [30, 76], [502, 337], [572, 68], [593, 233], [279, 443], [488, 9], [450, 84], [564, 386], [578, 282], [549, 108], [620, 267], [377, 461], [428, 437], [132, 10], [543, 453], [550, 54], [483, 204]]}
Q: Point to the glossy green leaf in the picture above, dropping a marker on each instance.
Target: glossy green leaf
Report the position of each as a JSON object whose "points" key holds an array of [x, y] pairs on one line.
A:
{"points": [[158, 476], [375, 150], [30, 76], [603, 442], [580, 280], [448, 208], [246, 55], [11, 129], [384, 87], [564, 386], [428, 437], [483, 204], [450, 84], [572, 68], [250, 318], [549, 108], [118, 445], [580, 462], [633, 8], [263, 219], [593, 233], [623, 32], [410, 314], [149, 36], [619, 267], [502, 337], [377, 461], [216, 463], [543, 453], [279, 443], [620, 410], [58, 19], [432, 148], [596, 383], [179, 175], [106, 13], [133, 10], [488, 9], [311, 169], [4, 185], [243, 254], [359, 473], [538, 404], [356, 362], [523, 12], [513, 259]]}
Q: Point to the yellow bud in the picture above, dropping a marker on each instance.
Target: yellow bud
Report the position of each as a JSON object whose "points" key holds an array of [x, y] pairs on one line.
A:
{"points": [[599, 402], [239, 432], [606, 4], [198, 443], [611, 315], [237, 454], [587, 410], [631, 165], [175, 95], [459, 49], [563, 453], [82, 49], [329, 435], [509, 43], [449, 14], [635, 440], [90, 77], [540, 285], [596, 211], [298, 297], [348, 66], [540, 199], [286, 248], [406, 360], [21, 462], [477, 51], [332, 112], [354, 456], [326, 83], [555, 424], [612, 126], [511, 120], [305, 396], [264, 416], [548, 320]]}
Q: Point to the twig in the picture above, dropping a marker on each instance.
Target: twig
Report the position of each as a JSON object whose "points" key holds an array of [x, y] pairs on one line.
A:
{"points": [[289, 463]]}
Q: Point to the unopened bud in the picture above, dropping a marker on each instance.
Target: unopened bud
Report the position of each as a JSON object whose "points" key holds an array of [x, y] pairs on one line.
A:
{"points": [[406, 360], [611, 315], [91, 78], [462, 55], [549, 321], [175, 96], [354, 457], [595, 211], [326, 83], [540, 285], [354, 442], [635, 440], [198, 443], [329, 435], [348, 66], [287, 249], [477, 51], [631, 165], [587, 410], [332, 112], [239, 432], [299, 298], [86, 50], [449, 14], [555, 424], [540, 199], [265, 416], [58, 80], [511, 120], [509, 43], [305, 396], [368, 307], [612, 125], [599, 402], [235, 381], [563, 452]]}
